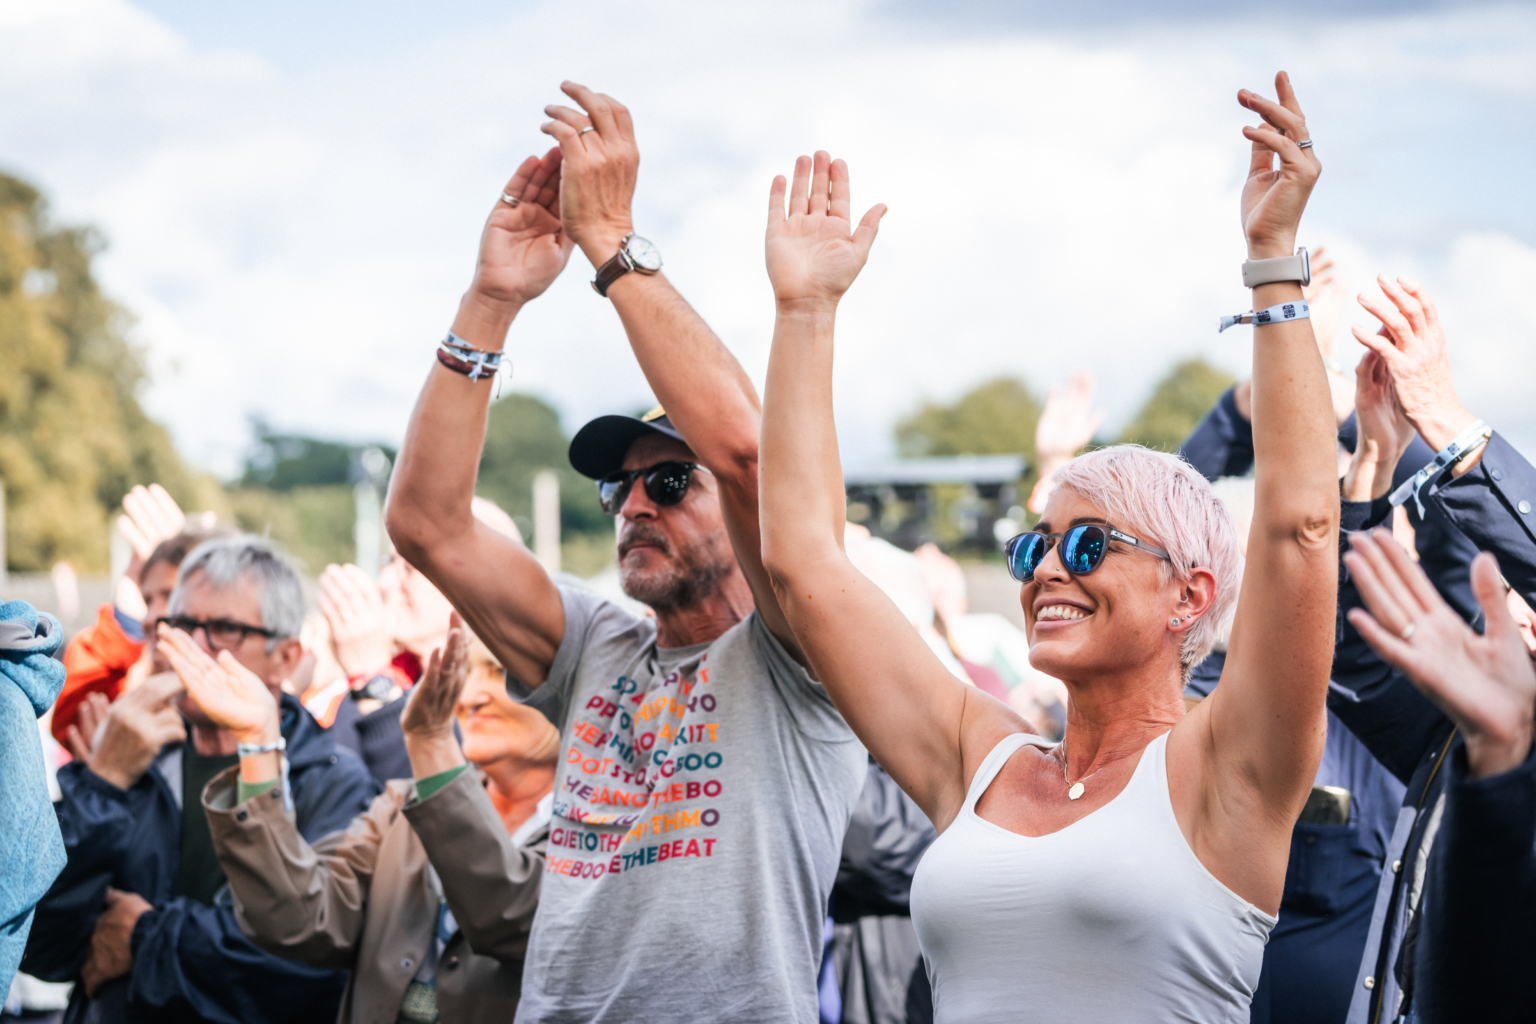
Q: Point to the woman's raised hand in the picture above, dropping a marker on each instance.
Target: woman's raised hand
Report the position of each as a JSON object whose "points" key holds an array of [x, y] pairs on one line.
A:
{"points": [[1485, 684], [523, 249], [1273, 199], [815, 251], [230, 694]]}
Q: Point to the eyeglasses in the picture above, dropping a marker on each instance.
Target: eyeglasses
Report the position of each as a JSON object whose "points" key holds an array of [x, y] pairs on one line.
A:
{"points": [[223, 634], [665, 484], [1083, 548]]}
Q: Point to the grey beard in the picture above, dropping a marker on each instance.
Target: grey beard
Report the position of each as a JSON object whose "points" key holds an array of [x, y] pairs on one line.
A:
{"points": [[669, 589]]}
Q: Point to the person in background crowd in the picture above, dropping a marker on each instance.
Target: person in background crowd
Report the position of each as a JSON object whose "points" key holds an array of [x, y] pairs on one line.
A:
{"points": [[30, 846], [706, 781], [140, 916], [366, 899], [382, 634], [1476, 930], [1132, 871], [118, 650], [1484, 492], [873, 958]]}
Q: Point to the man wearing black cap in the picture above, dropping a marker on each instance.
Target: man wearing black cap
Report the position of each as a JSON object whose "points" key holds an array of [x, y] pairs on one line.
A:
{"points": [[706, 780]]}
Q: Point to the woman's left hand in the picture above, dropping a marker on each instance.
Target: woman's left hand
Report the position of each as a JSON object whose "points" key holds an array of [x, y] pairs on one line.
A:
{"points": [[1485, 684], [1273, 199], [428, 712]]}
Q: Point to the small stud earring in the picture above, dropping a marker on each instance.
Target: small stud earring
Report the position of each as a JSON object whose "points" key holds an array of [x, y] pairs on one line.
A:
{"points": [[1174, 621]]}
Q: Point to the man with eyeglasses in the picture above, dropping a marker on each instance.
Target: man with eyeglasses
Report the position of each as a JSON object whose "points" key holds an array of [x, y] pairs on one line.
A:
{"points": [[141, 917], [706, 780]]}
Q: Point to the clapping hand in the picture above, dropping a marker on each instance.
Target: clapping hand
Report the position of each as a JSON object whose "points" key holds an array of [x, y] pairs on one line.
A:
{"points": [[601, 164], [1385, 432], [230, 694], [354, 611], [522, 248], [427, 720], [1485, 684], [137, 725], [1411, 344], [1274, 198], [150, 515], [815, 252]]}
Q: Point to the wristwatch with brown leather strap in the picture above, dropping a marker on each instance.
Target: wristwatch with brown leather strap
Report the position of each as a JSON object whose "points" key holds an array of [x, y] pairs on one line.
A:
{"points": [[635, 253]]}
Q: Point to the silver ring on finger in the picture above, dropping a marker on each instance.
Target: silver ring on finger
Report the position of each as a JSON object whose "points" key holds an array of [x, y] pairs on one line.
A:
{"points": [[510, 200], [584, 131], [1304, 144], [1408, 631]]}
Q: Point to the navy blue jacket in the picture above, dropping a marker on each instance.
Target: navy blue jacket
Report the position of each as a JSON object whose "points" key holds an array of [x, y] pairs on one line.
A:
{"points": [[191, 961], [1492, 505]]}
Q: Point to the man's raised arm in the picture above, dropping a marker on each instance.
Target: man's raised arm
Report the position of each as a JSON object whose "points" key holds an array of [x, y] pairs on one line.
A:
{"points": [[496, 584], [706, 393]]}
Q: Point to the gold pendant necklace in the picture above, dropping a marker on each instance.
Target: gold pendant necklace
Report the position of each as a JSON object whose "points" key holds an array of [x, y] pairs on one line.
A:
{"points": [[1074, 789]]}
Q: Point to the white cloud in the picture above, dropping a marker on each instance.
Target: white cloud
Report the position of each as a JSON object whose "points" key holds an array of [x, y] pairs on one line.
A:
{"points": [[294, 241]]}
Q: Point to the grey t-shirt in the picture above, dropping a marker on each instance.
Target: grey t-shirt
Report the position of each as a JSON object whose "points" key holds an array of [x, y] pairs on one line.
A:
{"points": [[699, 812]]}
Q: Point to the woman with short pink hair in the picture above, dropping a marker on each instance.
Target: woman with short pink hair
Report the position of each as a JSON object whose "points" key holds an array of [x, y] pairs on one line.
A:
{"points": [[1133, 871]]}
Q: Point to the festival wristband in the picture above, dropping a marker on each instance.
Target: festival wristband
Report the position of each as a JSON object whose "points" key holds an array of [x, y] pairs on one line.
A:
{"points": [[461, 357], [1466, 441], [278, 746], [1272, 315]]}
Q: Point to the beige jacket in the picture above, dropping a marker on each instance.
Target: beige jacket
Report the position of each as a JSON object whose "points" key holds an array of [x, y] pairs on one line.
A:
{"points": [[362, 899]]}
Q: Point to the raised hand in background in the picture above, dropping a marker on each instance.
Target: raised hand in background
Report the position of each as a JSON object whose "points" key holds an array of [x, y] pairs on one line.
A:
{"points": [[427, 720], [1384, 432], [1067, 424], [354, 611], [1412, 345], [1486, 684], [150, 515], [1326, 297]]}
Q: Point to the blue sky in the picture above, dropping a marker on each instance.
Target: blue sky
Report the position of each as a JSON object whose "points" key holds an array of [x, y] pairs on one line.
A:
{"points": [[292, 191]]}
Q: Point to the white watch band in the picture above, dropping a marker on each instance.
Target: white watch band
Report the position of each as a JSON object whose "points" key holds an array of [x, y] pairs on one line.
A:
{"points": [[1286, 268]]}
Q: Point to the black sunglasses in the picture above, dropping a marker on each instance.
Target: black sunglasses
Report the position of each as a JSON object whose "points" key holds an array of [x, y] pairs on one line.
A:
{"points": [[1083, 548], [665, 484], [223, 634]]}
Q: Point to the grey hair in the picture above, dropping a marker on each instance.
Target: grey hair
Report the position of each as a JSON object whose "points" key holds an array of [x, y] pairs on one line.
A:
{"points": [[225, 561]]}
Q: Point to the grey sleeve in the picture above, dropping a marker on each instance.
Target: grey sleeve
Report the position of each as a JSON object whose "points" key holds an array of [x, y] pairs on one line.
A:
{"points": [[809, 707]]}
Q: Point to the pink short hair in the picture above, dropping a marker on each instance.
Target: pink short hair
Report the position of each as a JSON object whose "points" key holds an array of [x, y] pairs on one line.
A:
{"points": [[1160, 498]]}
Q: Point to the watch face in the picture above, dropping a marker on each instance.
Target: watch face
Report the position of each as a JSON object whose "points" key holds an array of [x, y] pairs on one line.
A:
{"points": [[643, 254]]}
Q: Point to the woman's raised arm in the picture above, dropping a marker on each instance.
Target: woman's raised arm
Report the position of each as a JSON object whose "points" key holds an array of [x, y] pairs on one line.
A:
{"points": [[898, 698], [1266, 719]]}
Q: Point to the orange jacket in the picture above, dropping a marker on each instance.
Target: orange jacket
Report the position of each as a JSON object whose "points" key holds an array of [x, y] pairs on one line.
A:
{"points": [[96, 661]]}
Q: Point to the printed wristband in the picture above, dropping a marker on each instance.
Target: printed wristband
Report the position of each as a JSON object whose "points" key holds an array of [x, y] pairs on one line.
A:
{"points": [[1465, 442], [1273, 315], [255, 749]]}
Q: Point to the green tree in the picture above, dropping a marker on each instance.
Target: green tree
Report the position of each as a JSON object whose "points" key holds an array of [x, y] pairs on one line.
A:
{"points": [[994, 418], [73, 437], [522, 436], [1177, 404]]}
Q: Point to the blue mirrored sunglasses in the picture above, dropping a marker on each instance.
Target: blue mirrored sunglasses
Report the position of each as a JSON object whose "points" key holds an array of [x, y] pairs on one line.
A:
{"points": [[1083, 548]]}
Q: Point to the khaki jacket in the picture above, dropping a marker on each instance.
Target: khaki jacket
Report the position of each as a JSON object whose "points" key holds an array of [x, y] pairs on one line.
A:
{"points": [[362, 899]]}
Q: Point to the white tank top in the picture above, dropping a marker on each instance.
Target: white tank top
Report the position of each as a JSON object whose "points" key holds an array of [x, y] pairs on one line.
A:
{"points": [[1110, 920]]}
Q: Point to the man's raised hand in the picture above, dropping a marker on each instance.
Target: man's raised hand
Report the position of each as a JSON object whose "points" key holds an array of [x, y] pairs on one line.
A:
{"points": [[230, 694], [354, 611], [523, 249], [600, 167], [1273, 199], [1485, 684], [815, 251]]}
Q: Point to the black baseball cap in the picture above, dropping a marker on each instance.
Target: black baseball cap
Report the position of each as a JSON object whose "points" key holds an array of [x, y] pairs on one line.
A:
{"points": [[599, 447]]}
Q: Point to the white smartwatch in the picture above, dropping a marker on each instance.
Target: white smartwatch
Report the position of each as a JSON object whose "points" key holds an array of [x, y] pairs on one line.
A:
{"points": [[1296, 268]]}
